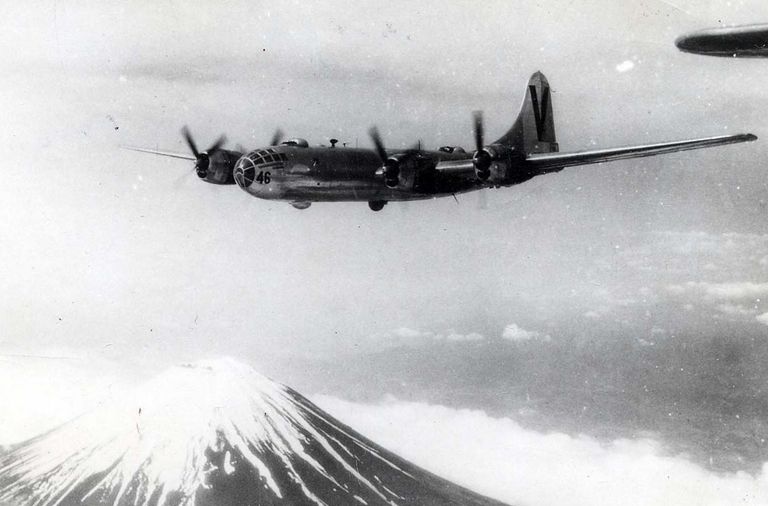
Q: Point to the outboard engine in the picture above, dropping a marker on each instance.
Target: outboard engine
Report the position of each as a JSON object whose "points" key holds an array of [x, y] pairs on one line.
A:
{"points": [[493, 163], [217, 167], [214, 165]]}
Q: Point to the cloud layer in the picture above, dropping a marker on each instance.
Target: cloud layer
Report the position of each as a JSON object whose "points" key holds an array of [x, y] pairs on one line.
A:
{"points": [[43, 391], [514, 332], [499, 458]]}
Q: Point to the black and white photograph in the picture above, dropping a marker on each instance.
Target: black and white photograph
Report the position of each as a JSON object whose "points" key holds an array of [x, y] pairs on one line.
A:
{"points": [[326, 253]]}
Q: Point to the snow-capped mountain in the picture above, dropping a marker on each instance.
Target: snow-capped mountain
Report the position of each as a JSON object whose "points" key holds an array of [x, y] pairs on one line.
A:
{"points": [[214, 433]]}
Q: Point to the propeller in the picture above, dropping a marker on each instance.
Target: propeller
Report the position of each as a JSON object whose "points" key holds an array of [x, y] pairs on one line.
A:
{"points": [[481, 159], [376, 138], [482, 199], [478, 122], [202, 159], [276, 137], [390, 166]]}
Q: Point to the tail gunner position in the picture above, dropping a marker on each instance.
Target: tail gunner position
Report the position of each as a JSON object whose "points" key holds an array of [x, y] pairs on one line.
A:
{"points": [[295, 172]]}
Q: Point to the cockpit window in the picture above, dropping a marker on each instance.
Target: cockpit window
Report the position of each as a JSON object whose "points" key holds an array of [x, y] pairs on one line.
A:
{"points": [[268, 159]]}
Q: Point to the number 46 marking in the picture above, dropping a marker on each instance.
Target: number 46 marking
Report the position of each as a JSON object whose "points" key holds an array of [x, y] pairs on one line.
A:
{"points": [[264, 177]]}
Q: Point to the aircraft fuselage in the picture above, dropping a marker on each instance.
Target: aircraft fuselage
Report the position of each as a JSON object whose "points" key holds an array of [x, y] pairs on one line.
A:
{"points": [[332, 174]]}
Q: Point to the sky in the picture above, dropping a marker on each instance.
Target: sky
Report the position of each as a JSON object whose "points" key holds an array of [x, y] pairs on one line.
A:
{"points": [[624, 300]]}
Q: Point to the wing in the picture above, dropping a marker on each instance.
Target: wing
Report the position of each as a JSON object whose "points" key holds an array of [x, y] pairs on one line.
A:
{"points": [[546, 162], [456, 168], [183, 156], [549, 162], [729, 41]]}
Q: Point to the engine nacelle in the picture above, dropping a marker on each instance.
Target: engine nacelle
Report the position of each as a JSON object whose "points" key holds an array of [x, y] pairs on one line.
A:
{"points": [[218, 167], [407, 171], [495, 163]]}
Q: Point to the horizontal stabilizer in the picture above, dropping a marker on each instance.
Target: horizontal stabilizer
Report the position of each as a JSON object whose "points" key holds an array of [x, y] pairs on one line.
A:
{"points": [[545, 162], [183, 156]]}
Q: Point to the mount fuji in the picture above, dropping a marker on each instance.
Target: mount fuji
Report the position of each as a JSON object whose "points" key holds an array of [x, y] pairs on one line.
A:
{"points": [[214, 433]]}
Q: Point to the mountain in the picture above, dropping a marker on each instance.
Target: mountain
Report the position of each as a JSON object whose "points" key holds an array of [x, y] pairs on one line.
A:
{"points": [[214, 433]]}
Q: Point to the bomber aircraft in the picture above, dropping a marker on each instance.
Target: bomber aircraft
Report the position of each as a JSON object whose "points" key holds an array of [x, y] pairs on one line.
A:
{"points": [[747, 41], [295, 172]]}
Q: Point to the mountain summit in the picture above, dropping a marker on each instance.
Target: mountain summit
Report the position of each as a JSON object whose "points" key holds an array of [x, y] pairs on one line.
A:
{"points": [[214, 433]]}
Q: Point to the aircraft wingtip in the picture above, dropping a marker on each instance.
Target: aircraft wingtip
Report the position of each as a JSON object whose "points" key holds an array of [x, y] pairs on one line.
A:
{"points": [[682, 42]]}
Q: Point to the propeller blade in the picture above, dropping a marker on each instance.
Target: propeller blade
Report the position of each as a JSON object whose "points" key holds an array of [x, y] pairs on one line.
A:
{"points": [[190, 141], [415, 149], [179, 182], [482, 199], [481, 159], [478, 116], [276, 137], [217, 145], [376, 138]]}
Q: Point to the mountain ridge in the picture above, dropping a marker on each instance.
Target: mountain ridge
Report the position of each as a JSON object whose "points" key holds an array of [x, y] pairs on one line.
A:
{"points": [[214, 432]]}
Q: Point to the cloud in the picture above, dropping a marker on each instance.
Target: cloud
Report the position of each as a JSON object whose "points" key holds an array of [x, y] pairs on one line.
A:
{"points": [[605, 309], [408, 333], [741, 290], [499, 458], [513, 332], [625, 66], [735, 309], [722, 291], [733, 298], [728, 255], [404, 336], [708, 275], [737, 300], [454, 336], [48, 388]]}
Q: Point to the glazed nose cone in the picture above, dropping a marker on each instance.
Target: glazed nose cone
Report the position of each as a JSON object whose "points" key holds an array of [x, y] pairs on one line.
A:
{"points": [[245, 172]]}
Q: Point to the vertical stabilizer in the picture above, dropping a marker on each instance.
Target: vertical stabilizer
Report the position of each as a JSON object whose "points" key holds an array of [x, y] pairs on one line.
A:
{"points": [[534, 128]]}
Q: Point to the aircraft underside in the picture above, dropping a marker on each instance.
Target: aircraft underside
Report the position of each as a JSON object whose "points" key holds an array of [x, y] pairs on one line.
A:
{"points": [[349, 191]]}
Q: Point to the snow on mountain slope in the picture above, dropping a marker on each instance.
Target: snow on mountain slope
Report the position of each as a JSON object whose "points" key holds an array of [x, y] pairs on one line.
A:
{"points": [[214, 433]]}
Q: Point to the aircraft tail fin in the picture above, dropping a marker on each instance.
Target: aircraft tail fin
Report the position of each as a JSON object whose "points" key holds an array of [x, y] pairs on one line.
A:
{"points": [[534, 129]]}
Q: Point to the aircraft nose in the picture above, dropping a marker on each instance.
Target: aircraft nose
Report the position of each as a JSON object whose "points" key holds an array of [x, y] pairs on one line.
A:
{"points": [[245, 172]]}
